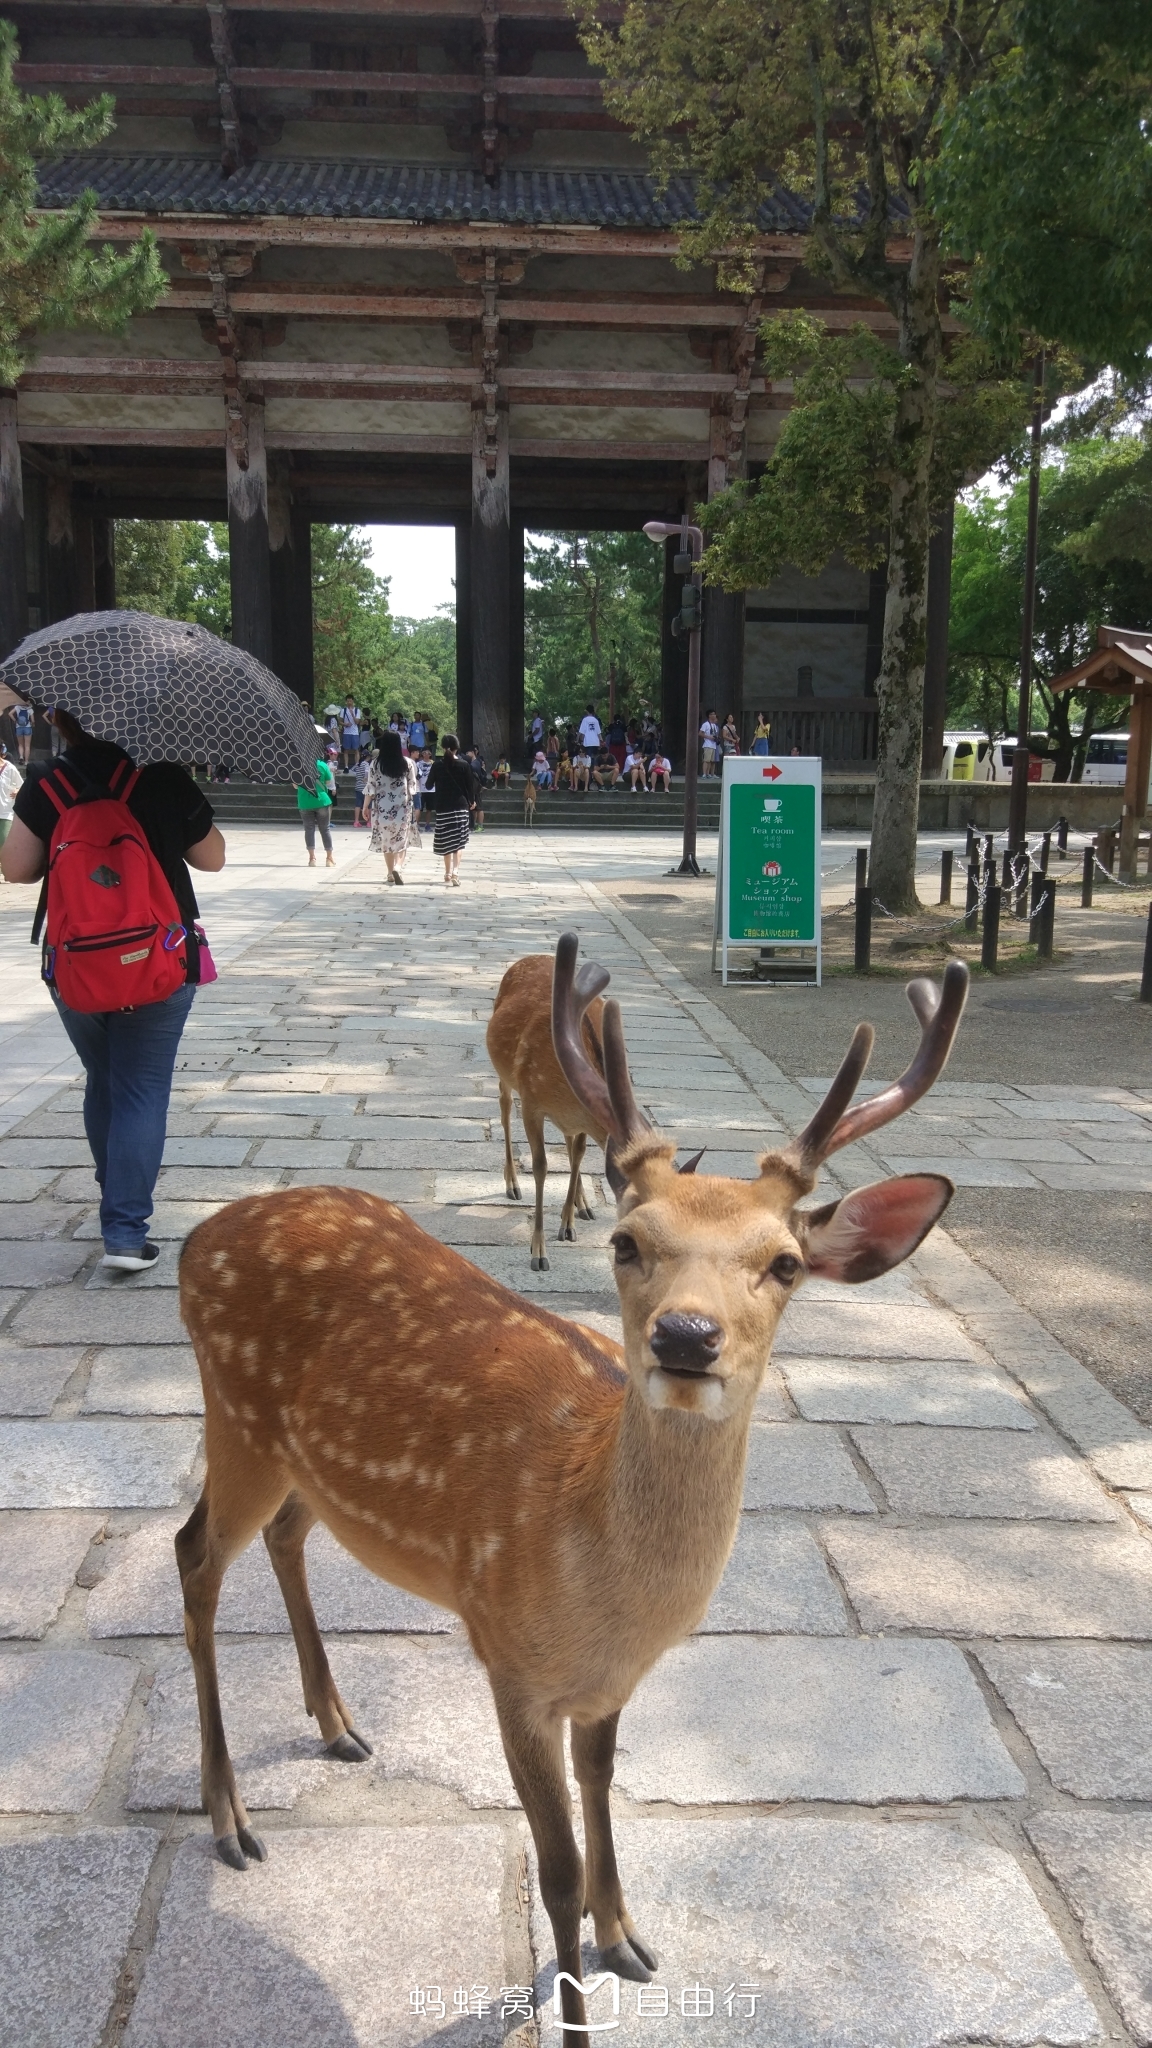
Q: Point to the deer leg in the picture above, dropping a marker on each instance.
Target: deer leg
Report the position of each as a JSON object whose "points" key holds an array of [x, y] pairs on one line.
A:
{"points": [[511, 1183], [621, 1949], [534, 1130], [574, 1199], [205, 1547], [535, 1753], [284, 1537]]}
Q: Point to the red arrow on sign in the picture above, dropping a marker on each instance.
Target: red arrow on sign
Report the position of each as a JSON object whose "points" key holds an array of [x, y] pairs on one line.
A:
{"points": [[773, 773]]}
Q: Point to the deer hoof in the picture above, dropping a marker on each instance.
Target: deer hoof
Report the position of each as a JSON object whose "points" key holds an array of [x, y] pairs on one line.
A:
{"points": [[586, 1215], [566, 1234], [629, 1959], [540, 1265], [229, 1851], [252, 1846], [513, 1193], [348, 1749], [365, 1745]]}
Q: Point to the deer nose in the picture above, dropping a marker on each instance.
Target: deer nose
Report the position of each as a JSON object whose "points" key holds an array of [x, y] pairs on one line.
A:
{"points": [[686, 1344]]}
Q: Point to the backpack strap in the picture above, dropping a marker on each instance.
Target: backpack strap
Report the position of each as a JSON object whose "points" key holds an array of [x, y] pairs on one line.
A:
{"points": [[57, 787]]}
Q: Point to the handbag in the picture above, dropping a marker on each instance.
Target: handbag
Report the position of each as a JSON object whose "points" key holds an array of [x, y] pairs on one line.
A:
{"points": [[207, 964]]}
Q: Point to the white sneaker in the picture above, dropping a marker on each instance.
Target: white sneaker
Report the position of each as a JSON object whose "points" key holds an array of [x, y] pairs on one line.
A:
{"points": [[133, 1262]]}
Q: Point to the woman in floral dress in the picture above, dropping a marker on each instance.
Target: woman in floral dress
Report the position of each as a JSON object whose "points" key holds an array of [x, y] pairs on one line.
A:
{"points": [[388, 804]]}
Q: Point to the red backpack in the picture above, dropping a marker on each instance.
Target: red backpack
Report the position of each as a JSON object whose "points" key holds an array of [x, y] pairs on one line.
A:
{"points": [[115, 940]]}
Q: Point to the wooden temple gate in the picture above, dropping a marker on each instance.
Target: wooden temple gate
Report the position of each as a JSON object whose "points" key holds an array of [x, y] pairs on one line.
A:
{"points": [[418, 274]]}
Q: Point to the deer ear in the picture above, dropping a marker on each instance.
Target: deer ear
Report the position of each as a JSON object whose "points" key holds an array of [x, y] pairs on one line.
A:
{"points": [[871, 1230]]}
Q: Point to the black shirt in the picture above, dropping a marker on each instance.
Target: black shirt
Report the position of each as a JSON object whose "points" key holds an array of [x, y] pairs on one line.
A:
{"points": [[450, 783], [166, 802]]}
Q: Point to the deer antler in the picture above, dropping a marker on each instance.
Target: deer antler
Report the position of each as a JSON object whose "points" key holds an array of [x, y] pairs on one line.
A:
{"points": [[938, 1012], [608, 1096]]}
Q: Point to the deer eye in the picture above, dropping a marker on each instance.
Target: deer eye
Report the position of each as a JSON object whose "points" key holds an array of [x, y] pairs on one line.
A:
{"points": [[785, 1268], [625, 1248]]}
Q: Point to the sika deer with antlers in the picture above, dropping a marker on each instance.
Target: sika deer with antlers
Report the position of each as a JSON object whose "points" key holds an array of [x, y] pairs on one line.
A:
{"points": [[574, 1502]]}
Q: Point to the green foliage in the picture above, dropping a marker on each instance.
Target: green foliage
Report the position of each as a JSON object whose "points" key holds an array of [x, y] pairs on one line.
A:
{"points": [[1045, 181], [829, 482], [50, 275], [592, 606], [178, 568], [1082, 581]]}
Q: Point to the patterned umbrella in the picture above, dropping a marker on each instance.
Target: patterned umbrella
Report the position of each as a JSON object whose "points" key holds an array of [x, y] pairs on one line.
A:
{"points": [[165, 690]]}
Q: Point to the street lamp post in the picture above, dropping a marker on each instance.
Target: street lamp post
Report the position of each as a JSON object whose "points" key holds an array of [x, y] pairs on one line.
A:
{"points": [[1018, 796], [688, 620]]}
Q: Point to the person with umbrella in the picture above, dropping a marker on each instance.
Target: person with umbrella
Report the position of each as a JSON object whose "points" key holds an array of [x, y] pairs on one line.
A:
{"points": [[158, 692], [128, 1055]]}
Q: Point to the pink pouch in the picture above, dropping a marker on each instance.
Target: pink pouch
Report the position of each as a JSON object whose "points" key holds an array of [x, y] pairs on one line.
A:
{"points": [[207, 963]]}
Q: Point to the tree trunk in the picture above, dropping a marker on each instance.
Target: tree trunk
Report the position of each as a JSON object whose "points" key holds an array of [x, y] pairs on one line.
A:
{"points": [[900, 684]]}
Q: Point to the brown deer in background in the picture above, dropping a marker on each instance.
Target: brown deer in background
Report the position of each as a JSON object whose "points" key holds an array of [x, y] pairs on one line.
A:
{"points": [[520, 1048], [573, 1501]]}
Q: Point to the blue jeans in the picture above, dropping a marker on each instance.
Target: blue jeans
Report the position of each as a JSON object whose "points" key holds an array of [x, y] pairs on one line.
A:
{"points": [[128, 1058]]}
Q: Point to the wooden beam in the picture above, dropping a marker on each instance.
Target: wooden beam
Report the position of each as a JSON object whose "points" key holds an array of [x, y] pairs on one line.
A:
{"points": [[591, 309], [276, 78], [132, 375], [368, 14], [333, 441]]}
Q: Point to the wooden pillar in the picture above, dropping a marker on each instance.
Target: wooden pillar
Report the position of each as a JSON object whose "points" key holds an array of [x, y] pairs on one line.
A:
{"points": [[13, 564], [63, 593], [289, 586], [83, 531], [1136, 779], [673, 663], [103, 562], [516, 640], [936, 651], [491, 573], [249, 571], [722, 640], [305, 683], [464, 632]]}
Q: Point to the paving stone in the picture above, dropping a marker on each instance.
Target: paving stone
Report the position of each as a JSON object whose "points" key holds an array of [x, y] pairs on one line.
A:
{"points": [[69, 1315], [53, 1152], [1141, 1506], [1014, 1579], [164, 1273], [217, 1183], [424, 1704], [144, 1379], [1102, 1863], [923, 1390], [1086, 1708], [48, 1264], [60, 1714], [137, 1464], [1117, 1446], [140, 1593], [407, 1185], [735, 1719], [802, 1465], [40, 1555], [861, 1329], [326, 1943], [773, 1402], [70, 1904], [983, 1472], [32, 1379], [572, 1268], [308, 1152], [857, 1935], [24, 1183], [775, 1583], [39, 1219], [218, 1151], [964, 1170]]}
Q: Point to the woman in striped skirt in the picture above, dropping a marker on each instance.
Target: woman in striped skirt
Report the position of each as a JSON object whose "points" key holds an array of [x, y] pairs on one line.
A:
{"points": [[453, 795]]}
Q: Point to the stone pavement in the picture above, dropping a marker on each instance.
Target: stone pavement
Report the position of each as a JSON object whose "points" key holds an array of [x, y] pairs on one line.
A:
{"points": [[895, 1791]]}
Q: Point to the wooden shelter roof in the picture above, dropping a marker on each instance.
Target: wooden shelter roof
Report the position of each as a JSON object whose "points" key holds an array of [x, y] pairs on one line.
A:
{"points": [[1121, 661]]}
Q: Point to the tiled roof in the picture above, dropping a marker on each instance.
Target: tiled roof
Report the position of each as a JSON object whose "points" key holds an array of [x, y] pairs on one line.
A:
{"points": [[360, 190]]}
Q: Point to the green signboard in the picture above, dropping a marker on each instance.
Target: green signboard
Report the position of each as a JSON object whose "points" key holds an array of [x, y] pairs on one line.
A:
{"points": [[768, 880]]}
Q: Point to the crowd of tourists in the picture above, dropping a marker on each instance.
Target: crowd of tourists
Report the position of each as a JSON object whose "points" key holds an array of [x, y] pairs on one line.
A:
{"points": [[402, 776]]}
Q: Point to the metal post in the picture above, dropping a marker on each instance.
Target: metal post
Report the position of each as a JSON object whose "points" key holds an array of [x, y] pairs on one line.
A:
{"points": [[1018, 800], [972, 898], [1044, 900], [863, 956], [1023, 869], [1146, 977], [1062, 837], [991, 927], [946, 875], [1045, 852], [1086, 882]]}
